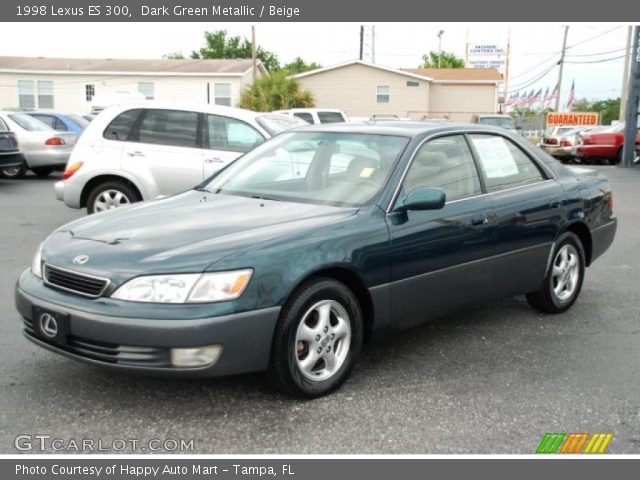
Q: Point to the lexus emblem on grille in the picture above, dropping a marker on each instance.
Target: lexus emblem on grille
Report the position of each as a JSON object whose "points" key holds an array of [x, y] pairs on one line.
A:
{"points": [[48, 325], [81, 259]]}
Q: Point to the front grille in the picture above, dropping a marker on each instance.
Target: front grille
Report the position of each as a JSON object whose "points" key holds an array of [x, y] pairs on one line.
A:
{"points": [[111, 353], [75, 282]]}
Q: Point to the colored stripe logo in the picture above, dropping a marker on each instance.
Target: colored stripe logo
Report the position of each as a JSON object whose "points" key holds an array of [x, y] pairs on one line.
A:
{"points": [[574, 443]]}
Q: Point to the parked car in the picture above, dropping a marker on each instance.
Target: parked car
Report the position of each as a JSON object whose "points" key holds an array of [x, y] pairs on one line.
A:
{"points": [[563, 144], [10, 155], [89, 116], [43, 148], [495, 120], [136, 152], [604, 146], [260, 268], [62, 123], [316, 116]]}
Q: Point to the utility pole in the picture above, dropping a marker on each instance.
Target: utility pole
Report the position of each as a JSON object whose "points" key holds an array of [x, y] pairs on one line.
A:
{"points": [[373, 44], [505, 93], [361, 41], [466, 48], [631, 119], [440, 47], [625, 76], [253, 52], [561, 63]]}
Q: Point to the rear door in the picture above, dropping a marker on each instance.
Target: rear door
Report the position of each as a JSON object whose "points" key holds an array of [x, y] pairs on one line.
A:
{"points": [[528, 208], [165, 149], [441, 258], [225, 139]]}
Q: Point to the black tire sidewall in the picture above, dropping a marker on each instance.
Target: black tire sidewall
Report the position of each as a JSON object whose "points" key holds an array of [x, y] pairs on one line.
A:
{"points": [[112, 185], [314, 292], [564, 239]]}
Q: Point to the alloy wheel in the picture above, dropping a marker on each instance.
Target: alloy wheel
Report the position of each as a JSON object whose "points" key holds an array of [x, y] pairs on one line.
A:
{"points": [[109, 199], [565, 274]]}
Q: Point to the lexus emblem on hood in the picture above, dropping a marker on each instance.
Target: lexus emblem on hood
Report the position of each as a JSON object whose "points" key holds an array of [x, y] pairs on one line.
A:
{"points": [[81, 259]]}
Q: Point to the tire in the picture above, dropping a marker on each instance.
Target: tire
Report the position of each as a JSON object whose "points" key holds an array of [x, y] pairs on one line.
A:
{"points": [[14, 172], [313, 327], [562, 284], [111, 194], [42, 171]]}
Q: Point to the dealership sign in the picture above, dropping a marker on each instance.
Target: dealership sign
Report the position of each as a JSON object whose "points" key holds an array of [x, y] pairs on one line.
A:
{"points": [[486, 56], [572, 118]]}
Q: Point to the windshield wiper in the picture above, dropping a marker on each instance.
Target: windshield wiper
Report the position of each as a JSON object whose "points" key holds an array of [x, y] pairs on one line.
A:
{"points": [[200, 188]]}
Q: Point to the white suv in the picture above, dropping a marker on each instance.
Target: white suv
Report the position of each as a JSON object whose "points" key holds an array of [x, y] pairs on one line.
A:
{"points": [[316, 116], [140, 151]]}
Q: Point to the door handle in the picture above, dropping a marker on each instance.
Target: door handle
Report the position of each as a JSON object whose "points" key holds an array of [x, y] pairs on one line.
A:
{"points": [[555, 204], [135, 153], [213, 160], [479, 220]]}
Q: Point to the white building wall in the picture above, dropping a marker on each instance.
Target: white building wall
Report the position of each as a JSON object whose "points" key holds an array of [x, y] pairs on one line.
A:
{"points": [[70, 97]]}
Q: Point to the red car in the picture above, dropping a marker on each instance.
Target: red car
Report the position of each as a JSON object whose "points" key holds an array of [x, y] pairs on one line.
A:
{"points": [[603, 145]]}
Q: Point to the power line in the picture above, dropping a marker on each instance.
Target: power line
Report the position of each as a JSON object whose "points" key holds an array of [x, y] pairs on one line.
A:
{"points": [[594, 37], [599, 61]]}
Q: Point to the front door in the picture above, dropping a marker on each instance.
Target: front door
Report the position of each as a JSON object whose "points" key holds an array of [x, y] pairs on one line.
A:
{"points": [[441, 258]]}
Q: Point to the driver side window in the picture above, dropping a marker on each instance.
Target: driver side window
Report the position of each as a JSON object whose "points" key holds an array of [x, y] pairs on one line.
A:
{"points": [[445, 163]]}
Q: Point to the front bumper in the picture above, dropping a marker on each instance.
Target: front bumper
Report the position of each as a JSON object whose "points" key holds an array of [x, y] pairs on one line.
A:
{"points": [[143, 345]]}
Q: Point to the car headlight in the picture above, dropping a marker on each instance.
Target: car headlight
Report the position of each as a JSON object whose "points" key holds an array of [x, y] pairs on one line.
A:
{"points": [[36, 265], [185, 288]]}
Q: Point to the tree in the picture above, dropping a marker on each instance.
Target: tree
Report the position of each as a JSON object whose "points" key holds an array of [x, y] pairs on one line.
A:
{"points": [[173, 56], [447, 60], [581, 105], [219, 45], [608, 109], [298, 65], [275, 91]]}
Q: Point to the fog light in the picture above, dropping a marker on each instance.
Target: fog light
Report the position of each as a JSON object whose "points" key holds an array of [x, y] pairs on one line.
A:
{"points": [[195, 357]]}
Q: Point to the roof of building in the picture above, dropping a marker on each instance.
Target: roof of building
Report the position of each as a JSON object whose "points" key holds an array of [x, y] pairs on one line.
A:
{"points": [[458, 74], [366, 64], [109, 65]]}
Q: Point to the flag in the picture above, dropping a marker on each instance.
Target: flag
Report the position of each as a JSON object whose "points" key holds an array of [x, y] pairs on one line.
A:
{"points": [[510, 102], [537, 97], [546, 100], [572, 95], [554, 95], [530, 98]]}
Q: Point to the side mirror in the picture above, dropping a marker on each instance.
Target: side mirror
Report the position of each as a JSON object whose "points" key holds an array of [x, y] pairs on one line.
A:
{"points": [[518, 127], [424, 198]]}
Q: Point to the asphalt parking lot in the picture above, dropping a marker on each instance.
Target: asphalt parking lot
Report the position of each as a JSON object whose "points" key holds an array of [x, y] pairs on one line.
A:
{"points": [[492, 379]]}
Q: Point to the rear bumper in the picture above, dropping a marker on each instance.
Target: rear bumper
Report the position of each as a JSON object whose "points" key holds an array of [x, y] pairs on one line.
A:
{"points": [[599, 151], [602, 238], [143, 345], [69, 193], [51, 157], [11, 159], [556, 151]]}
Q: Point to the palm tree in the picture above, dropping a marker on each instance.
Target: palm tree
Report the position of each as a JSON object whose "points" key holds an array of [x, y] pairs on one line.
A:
{"points": [[275, 91]]}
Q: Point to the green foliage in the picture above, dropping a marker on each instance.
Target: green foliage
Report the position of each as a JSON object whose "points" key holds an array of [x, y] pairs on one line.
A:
{"points": [[298, 65], [608, 109], [219, 45], [446, 60], [174, 56], [275, 91]]}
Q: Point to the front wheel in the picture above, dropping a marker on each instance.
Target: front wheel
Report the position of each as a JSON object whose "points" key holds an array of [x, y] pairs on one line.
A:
{"points": [[562, 285], [109, 195], [317, 339]]}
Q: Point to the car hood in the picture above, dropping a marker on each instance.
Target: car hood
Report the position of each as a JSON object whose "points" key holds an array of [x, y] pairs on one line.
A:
{"points": [[183, 233]]}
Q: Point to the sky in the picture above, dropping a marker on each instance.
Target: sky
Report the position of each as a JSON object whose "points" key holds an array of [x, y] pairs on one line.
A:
{"points": [[535, 47]]}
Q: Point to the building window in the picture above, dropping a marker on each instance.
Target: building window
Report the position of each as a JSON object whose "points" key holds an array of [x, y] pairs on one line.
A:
{"points": [[383, 93], [412, 83], [89, 92], [223, 94], [45, 94], [146, 89], [26, 97]]}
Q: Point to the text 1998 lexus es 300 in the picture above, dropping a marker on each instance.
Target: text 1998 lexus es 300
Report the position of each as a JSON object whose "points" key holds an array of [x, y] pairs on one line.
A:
{"points": [[288, 259]]}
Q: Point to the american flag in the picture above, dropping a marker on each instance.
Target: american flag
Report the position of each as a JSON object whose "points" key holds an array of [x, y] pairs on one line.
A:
{"points": [[512, 101], [546, 100], [553, 95], [572, 96], [537, 97], [530, 99]]}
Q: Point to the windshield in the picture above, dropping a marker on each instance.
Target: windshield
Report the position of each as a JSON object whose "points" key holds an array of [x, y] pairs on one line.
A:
{"points": [[29, 123], [504, 122], [275, 124], [313, 167]]}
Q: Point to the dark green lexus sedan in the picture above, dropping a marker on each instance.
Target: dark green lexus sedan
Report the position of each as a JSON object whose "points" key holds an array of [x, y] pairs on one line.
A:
{"points": [[295, 254]]}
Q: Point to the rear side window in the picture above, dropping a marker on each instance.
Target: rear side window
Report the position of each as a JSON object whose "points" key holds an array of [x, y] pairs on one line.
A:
{"points": [[330, 117], [504, 165], [307, 117], [169, 127], [231, 134], [120, 127]]}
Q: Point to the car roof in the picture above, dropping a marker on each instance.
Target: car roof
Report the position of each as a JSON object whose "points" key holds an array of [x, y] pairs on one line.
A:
{"points": [[399, 128], [192, 107]]}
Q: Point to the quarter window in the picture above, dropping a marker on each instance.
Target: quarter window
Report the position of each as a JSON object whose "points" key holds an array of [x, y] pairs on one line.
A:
{"points": [[444, 163], [306, 116], [120, 127], [223, 94], [147, 89], [26, 95], [169, 127], [383, 93], [225, 133], [330, 117], [45, 94], [503, 164]]}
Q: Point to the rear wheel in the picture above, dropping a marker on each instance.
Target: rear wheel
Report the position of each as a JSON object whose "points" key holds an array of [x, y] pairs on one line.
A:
{"points": [[110, 195], [563, 282], [317, 339], [14, 172], [42, 171]]}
